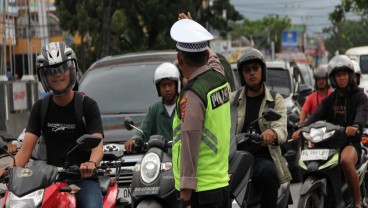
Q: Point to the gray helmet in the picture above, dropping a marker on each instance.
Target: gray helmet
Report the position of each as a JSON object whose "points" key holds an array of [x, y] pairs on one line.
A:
{"points": [[340, 63], [321, 72], [53, 58], [247, 55]]}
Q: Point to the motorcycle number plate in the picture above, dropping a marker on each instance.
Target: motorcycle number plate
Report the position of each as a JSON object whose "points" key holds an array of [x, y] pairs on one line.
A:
{"points": [[146, 191], [315, 154]]}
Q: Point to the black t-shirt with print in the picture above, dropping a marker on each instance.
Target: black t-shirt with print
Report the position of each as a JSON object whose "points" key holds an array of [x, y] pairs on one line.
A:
{"points": [[61, 129]]}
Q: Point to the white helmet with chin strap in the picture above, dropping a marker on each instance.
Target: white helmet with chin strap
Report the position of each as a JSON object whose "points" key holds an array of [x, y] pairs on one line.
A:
{"points": [[166, 70], [56, 57]]}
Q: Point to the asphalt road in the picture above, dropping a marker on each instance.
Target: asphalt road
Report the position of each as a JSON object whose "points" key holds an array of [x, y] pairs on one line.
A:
{"points": [[294, 189]]}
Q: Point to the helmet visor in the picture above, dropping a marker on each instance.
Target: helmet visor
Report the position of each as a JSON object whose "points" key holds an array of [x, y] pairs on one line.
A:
{"points": [[58, 68]]}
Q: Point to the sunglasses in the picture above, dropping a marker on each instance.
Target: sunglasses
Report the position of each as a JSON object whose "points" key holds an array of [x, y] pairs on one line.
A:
{"points": [[60, 68], [252, 67]]}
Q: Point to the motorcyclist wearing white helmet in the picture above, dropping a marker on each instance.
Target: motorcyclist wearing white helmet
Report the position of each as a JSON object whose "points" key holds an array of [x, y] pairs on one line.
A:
{"points": [[57, 67], [346, 106], [159, 117]]}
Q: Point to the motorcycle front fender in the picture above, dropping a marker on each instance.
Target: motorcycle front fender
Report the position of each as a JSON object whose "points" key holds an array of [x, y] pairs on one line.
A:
{"points": [[149, 203], [313, 182]]}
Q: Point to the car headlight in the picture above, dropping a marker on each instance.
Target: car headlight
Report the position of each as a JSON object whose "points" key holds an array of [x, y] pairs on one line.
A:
{"points": [[33, 199], [150, 167], [318, 134]]}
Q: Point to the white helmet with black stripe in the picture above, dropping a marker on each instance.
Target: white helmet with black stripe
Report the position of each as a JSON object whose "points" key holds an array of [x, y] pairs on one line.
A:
{"points": [[56, 57]]}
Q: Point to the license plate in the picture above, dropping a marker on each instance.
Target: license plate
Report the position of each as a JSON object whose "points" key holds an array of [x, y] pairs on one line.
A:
{"points": [[126, 194], [146, 191], [316, 154]]}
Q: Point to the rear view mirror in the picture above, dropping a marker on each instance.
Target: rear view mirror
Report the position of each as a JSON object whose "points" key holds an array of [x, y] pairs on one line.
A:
{"points": [[271, 115], [304, 90], [128, 122], [88, 142]]}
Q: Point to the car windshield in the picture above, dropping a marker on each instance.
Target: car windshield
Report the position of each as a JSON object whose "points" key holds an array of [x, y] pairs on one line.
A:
{"points": [[121, 88], [364, 64], [306, 75], [279, 80]]}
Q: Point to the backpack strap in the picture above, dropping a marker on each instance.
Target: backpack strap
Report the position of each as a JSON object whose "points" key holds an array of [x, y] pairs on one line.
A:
{"points": [[78, 110], [237, 95], [271, 104], [44, 107]]}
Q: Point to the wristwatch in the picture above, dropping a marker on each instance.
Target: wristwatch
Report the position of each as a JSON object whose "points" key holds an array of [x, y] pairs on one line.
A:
{"points": [[182, 203]]}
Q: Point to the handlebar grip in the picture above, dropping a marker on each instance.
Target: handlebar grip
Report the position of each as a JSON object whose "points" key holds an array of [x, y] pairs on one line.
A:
{"points": [[100, 172]]}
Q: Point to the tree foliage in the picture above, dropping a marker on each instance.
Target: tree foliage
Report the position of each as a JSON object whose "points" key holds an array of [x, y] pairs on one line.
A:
{"points": [[263, 31], [119, 26], [346, 35]]}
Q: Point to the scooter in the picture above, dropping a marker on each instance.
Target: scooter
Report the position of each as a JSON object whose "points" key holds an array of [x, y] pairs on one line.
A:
{"points": [[153, 181], [241, 170], [323, 183], [42, 185]]}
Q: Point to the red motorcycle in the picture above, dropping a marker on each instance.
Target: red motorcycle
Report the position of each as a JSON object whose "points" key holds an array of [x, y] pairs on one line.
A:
{"points": [[43, 185]]}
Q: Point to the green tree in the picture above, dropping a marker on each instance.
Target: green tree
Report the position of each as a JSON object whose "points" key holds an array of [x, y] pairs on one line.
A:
{"points": [[345, 35], [118, 26], [79, 17], [263, 31]]}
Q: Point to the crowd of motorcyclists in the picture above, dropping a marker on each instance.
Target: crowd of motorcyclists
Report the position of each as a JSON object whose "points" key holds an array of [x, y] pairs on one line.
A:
{"points": [[196, 117]]}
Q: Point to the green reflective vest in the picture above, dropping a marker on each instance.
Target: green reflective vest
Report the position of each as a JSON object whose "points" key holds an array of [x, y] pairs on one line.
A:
{"points": [[212, 169]]}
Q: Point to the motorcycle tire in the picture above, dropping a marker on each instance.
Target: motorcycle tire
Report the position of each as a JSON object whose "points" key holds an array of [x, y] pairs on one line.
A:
{"points": [[313, 199]]}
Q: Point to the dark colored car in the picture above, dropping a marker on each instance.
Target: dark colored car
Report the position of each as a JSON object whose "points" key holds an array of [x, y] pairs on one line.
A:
{"points": [[123, 87]]}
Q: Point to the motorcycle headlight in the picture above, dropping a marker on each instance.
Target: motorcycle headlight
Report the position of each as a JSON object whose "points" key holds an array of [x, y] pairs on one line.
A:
{"points": [[318, 134], [33, 199], [150, 167]]}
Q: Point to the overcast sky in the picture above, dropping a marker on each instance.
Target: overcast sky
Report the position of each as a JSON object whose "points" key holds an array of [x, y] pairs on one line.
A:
{"points": [[313, 13]]}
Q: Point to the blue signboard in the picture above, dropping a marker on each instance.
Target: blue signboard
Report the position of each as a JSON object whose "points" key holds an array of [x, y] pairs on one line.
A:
{"points": [[289, 39]]}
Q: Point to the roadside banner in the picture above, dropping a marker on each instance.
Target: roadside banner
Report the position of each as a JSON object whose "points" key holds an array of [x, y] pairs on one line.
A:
{"points": [[289, 39]]}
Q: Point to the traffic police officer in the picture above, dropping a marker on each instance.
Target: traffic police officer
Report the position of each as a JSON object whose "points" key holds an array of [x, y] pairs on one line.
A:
{"points": [[202, 124]]}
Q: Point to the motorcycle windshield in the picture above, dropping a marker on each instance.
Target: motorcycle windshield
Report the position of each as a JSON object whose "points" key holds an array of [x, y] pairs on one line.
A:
{"points": [[39, 175]]}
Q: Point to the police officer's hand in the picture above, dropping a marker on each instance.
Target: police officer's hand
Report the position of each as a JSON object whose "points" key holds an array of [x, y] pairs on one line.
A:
{"points": [[295, 135], [184, 16], [87, 169], [129, 145], [351, 131], [268, 136], [12, 148]]}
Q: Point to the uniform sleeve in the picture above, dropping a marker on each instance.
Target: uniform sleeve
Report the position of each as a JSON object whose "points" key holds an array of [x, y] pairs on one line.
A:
{"points": [[34, 121], [214, 62], [192, 114], [147, 125], [92, 116]]}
